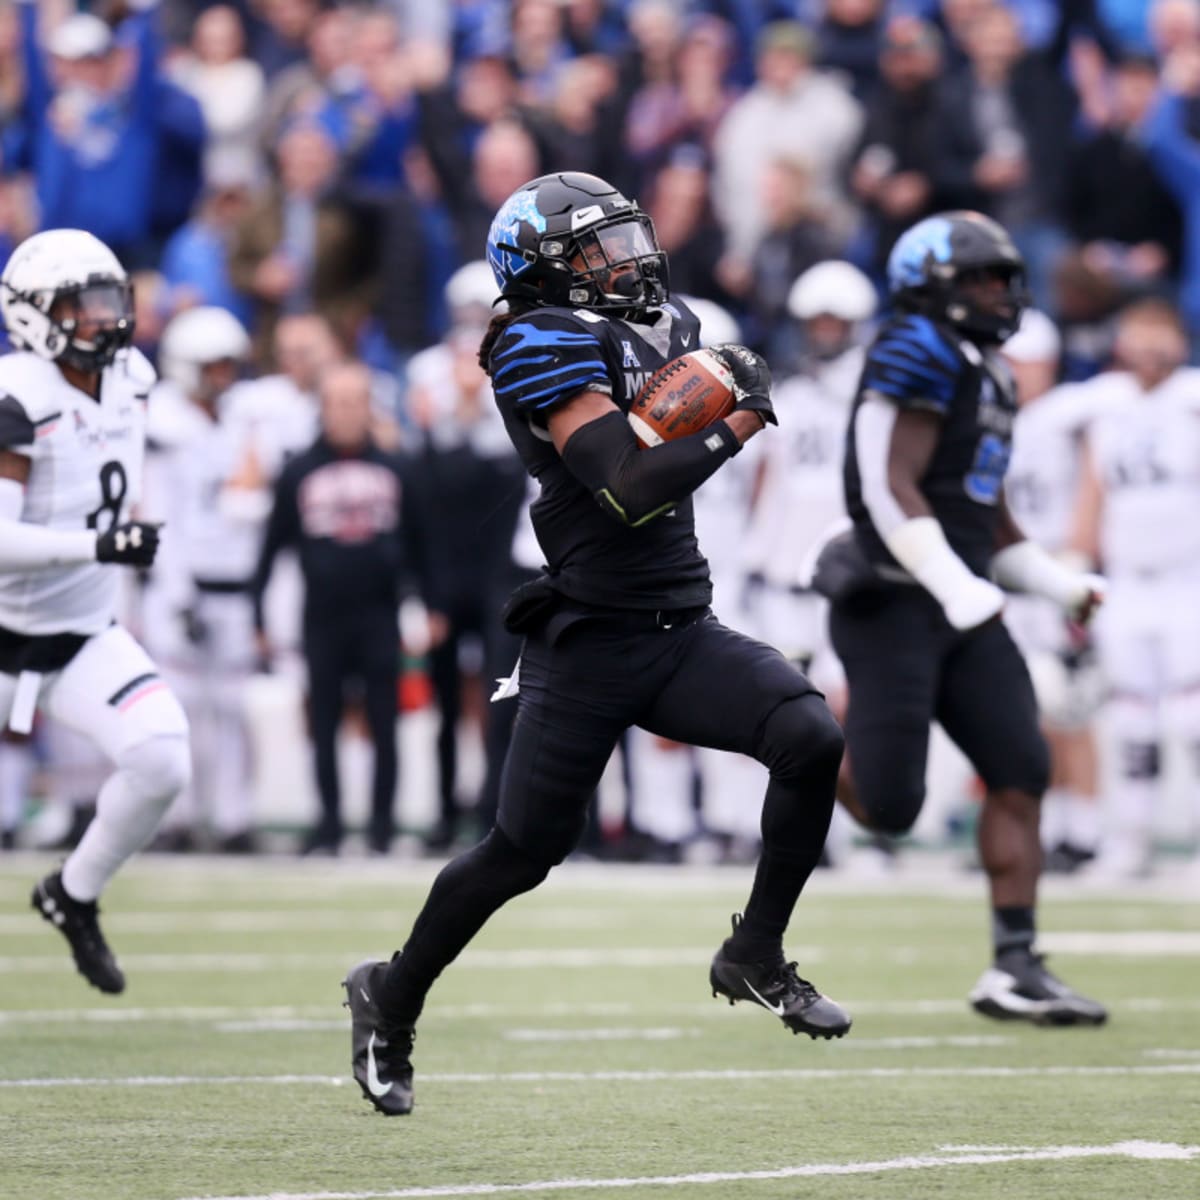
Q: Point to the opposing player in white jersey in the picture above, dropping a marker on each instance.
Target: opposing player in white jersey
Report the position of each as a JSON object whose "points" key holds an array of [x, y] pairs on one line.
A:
{"points": [[1041, 489], [197, 616], [1139, 515], [800, 492], [72, 426]]}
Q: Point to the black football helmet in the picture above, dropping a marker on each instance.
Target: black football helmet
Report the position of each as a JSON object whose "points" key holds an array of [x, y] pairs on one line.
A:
{"points": [[572, 239], [932, 266]]}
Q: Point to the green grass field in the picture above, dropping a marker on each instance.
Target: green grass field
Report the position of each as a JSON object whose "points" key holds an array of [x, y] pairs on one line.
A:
{"points": [[575, 1049]]}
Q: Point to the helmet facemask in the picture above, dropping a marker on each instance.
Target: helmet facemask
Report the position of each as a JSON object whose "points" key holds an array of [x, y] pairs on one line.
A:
{"points": [[974, 304], [614, 264], [88, 323]]}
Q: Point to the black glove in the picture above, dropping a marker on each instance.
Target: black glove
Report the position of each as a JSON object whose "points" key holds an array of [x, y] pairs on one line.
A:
{"points": [[134, 544], [751, 379]]}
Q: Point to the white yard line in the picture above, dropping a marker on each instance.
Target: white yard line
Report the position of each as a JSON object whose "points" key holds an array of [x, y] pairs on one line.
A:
{"points": [[319, 1013], [1159, 1151], [539, 1077]]}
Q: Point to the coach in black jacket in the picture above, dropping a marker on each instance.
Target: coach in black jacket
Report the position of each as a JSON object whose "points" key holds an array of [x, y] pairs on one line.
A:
{"points": [[340, 505]]}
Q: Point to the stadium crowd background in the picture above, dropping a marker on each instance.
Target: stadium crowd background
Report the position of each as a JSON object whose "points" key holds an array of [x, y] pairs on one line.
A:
{"points": [[323, 171]]}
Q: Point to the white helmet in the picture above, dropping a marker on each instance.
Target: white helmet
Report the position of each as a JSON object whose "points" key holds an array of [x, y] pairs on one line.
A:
{"points": [[197, 337], [1037, 339], [717, 325], [834, 288], [60, 264], [472, 285]]}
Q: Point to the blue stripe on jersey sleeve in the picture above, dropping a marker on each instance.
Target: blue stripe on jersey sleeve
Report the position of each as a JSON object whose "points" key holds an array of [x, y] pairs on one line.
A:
{"points": [[535, 367], [912, 364]]}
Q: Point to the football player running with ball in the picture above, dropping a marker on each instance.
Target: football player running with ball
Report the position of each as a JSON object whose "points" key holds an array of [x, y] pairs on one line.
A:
{"points": [[72, 428], [618, 630], [916, 585]]}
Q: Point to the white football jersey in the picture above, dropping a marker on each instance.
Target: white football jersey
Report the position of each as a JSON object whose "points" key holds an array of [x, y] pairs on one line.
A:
{"points": [[1146, 452], [1042, 482], [213, 536], [86, 473], [801, 494]]}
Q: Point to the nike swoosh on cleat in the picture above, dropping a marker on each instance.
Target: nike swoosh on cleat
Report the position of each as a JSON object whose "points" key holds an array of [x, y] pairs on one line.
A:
{"points": [[777, 1009], [375, 1085]]}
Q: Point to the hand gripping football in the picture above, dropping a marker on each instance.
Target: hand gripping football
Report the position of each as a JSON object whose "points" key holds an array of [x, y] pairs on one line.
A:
{"points": [[685, 396]]}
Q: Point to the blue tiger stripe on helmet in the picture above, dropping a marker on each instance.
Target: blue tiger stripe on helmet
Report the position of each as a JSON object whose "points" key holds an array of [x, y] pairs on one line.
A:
{"points": [[505, 229]]}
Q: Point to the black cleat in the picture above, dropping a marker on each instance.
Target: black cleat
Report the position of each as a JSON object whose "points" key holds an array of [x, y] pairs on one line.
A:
{"points": [[776, 986], [1019, 988], [380, 1050], [78, 922]]}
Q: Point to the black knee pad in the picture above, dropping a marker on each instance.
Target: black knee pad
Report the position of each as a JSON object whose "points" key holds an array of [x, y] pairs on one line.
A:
{"points": [[508, 865], [800, 739]]}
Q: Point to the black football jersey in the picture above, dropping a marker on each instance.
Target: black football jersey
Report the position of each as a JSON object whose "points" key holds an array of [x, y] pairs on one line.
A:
{"points": [[547, 357], [916, 363]]}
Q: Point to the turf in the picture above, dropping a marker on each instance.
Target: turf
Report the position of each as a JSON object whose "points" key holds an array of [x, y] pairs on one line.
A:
{"points": [[577, 1041]]}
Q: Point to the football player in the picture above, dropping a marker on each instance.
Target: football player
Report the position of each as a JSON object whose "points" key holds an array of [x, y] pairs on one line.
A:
{"points": [[72, 423], [618, 630], [1040, 489], [916, 584], [1140, 498], [197, 619]]}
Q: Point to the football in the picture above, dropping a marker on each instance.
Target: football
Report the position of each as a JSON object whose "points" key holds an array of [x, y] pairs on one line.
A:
{"points": [[685, 396]]}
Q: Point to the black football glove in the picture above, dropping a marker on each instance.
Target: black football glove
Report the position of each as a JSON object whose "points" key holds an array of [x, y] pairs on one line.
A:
{"points": [[133, 544], [751, 379]]}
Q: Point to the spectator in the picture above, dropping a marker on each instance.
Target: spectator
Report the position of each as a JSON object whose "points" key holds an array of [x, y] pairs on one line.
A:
{"points": [[1004, 123], [582, 132], [796, 237], [373, 122], [112, 147], [280, 37], [687, 107], [849, 39], [1175, 156], [539, 49], [892, 175], [1132, 232], [299, 248], [678, 203], [303, 88], [229, 86], [341, 504], [195, 260], [791, 112]]}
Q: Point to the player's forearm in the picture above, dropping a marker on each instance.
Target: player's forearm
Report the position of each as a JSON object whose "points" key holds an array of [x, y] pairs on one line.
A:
{"points": [[635, 485], [25, 547]]}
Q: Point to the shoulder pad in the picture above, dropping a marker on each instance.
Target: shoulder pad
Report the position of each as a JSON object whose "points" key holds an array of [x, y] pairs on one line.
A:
{"points": [[914, 363], [36, 384], [137, 368], [545, 358]]}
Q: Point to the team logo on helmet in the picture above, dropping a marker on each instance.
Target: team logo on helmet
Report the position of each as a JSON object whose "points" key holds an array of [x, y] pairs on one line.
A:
{"points": [[520, 208], [926, 243]]}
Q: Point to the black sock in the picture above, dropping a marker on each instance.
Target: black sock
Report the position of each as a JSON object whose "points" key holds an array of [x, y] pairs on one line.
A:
{"points": [[1013, 928], [466, 892]]}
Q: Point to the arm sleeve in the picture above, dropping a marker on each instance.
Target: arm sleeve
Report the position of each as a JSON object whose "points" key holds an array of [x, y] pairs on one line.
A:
{"points": [[913, 366], [280, 532], [544, 360], [25, 547], [635, 485]]}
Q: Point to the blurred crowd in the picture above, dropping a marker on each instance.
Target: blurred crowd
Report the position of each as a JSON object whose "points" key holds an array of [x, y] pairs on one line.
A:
{"points": [[325, 174]]}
